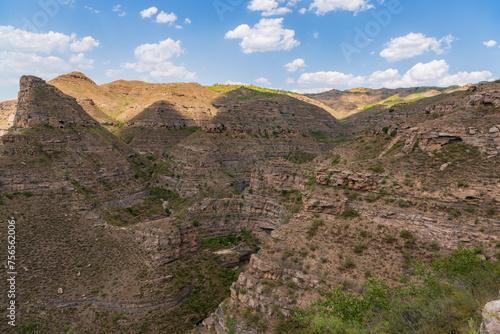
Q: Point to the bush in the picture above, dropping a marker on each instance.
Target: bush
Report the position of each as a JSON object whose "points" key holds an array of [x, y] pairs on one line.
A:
{"points": [[404, 204], [314, 228], [377, 169], [349, 263], [350, 213], [443, 297], [405, 234], [359, 248], [389, 239]]}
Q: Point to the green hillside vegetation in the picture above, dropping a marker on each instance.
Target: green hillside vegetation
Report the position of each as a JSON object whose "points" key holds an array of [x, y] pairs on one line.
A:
{"points": [[445, 296]]}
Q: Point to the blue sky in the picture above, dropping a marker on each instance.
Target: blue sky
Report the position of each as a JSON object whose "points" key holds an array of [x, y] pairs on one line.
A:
{"points": [[299, 45]]}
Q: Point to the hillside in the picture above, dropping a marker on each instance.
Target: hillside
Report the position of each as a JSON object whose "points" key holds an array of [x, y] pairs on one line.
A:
{"points": [[233, 208], [349, 102]]}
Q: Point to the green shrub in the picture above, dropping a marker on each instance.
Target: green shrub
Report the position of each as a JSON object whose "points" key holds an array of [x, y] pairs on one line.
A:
{"points": [[359, 248], [350, 213], [389, 239], [404, 204], [314, 228], [443, 297], [405, 234], [377, 169]]}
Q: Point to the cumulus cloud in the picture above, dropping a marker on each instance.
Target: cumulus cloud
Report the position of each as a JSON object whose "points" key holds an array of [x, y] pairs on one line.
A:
{"points": [[267, 35], [263, 81], [322, 7], [157, 53], [153, 61], [29, 42], [434, 73], [187, 20], [24, 41], [169, 18], [413, 45], [295, 65], [15, 64], [331, 79], [268, 7], [290, 81], [85, 44], [490, 43], [81, 61], [147, 13]]}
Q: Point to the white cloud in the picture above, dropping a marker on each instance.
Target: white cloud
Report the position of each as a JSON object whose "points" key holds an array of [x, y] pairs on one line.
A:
{"points": [[332, 79], [166, 18], [434, 73], [295, 65], [113, 73], [92, 10], [84, 45], [18, 40], [312, 90], [236, 83], [81, 61], [302, 10], [24, 41], [322, 7], [157, 53], [187, 20], [290, 81], [153, 61], [118, 8], [263, 81], [268, 7], [146, 13], [386, 78], [490, 43], [413, 45], [316, 34], [267, 35], [15, 64]]}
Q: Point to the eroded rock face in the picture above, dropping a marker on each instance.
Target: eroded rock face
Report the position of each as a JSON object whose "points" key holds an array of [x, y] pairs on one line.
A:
{"points": [[427, 139], [491, 318], [167, 239], [40, 103], [491, 98], [278, 174], [324, 201], [342, 178], [257, 213]]}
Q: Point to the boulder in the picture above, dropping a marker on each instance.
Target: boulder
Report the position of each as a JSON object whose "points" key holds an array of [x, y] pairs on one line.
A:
{"points": [[491, 318]]}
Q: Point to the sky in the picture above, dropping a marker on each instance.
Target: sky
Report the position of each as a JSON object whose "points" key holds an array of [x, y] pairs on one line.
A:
{"points": [[304, 46]]}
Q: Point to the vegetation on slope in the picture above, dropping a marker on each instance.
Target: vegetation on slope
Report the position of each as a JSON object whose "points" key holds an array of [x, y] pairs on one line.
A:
{"points": [[446, 296]]}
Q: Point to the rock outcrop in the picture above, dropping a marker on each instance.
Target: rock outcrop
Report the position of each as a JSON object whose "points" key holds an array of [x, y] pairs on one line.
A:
{"points": [[40, 103], [166, 239], [491, 318]]}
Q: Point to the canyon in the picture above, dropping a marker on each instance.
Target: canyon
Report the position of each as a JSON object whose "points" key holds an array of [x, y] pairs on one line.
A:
{"points": [[177, 208]]}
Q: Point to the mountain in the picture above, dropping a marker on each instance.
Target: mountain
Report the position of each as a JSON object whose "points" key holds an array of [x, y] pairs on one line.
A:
{"points": [[352, 101], [123, 100], [177, 208]]}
